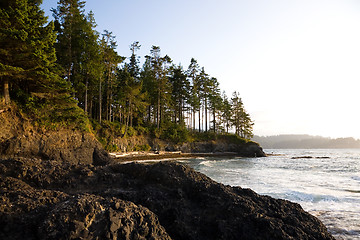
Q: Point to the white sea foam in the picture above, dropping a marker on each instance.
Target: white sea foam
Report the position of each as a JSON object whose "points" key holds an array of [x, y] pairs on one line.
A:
{"points": [[327, 187]]}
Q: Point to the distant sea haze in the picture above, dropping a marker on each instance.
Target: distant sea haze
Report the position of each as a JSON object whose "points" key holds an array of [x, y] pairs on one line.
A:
{"points": [[305, 142]]}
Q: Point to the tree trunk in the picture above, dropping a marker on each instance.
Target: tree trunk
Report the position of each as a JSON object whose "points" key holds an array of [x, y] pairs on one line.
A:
{"points": [[158, 111], [100, 97], [214, 120], [86, 96], [130, 113], [206, 115], [6, 92], [193, 118], [200, 119]]}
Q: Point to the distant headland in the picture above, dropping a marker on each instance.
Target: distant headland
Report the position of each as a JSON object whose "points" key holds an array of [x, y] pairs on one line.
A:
{"points": [[305, 141]]}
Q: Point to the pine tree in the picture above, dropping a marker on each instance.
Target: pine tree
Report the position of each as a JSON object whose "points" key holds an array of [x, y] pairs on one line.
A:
{"points": [[180, 87], [133, 66], [193, 71], [156, 83], [27, 55], [110, 61], [215, 100], [241, 119], [70, 21]]}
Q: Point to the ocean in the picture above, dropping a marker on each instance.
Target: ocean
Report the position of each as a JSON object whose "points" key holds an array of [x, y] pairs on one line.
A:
{"points": [[325, 182]]}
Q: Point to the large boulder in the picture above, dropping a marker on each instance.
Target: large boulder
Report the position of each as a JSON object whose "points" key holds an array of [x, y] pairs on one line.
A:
{"points": [[30, 208]]}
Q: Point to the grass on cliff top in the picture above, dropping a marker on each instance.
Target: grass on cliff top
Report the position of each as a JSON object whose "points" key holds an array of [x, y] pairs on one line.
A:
{"points": [[54, 114]]}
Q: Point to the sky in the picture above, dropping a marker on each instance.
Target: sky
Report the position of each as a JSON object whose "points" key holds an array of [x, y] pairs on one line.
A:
{"points": [[295, 63]]}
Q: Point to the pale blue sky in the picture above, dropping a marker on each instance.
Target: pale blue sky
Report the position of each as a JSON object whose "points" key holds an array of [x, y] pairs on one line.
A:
{"points": [[296, 63]]}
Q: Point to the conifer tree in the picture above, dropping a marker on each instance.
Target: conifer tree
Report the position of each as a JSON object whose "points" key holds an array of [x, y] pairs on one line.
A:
{"points": [[27, 55], [193, 71], [241, 119], [156, 83], [180, 87], [133, 66], [215, 100]]}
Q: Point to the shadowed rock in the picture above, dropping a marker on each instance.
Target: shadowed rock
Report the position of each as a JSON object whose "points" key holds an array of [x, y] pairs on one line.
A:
{"points": [[43, 199]]}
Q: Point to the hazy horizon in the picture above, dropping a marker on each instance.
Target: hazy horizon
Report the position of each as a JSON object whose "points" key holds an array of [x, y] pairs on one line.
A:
{"points": [[295, 63]]}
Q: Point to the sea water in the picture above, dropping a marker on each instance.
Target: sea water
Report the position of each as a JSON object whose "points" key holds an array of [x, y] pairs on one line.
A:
{"points": [[324, 182]]}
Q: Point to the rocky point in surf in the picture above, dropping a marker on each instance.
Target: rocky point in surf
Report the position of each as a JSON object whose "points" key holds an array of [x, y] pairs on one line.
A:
{"points": [[62, 185]]}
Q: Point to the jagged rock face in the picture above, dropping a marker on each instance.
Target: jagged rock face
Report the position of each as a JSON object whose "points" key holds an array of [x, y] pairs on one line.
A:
{"points": [[18, 137], [43, 199], [92, 217], [29, 211]]}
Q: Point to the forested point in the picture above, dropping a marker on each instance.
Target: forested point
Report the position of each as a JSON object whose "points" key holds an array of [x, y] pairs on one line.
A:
{"points": [[64, 73]]}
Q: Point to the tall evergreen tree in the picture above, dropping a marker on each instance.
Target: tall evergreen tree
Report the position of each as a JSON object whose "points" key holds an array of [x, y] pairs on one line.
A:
{"points": [[78, 50], [156, 82], [226, 112], [215, 100], [193, 71], [111, 61], [133, 66], [70, 21], [241, 119], [27, 55], [180, 87]]}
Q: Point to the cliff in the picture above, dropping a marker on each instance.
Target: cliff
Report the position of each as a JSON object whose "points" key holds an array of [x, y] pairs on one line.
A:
{"points": [[19, 137]]}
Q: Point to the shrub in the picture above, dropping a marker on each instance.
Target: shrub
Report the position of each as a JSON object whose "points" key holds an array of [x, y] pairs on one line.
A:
{"points": [[175, 133], [145, 148]]}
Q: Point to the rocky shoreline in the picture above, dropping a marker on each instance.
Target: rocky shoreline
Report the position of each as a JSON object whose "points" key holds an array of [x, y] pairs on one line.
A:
{"points": [[63, 185], [164, 156], [47, 199]]}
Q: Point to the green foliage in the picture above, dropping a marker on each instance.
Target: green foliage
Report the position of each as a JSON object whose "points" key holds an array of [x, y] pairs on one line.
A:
{"points": [[234, 138], [174, 132], [157, 99], [142, 130], [144, 148], [54, 114], [131, 132], [204, 136], [111, 148]]}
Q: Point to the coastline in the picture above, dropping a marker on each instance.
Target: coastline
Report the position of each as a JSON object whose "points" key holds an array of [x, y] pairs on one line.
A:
{"points": [[48, 199], [63, 185], [165, 155]]}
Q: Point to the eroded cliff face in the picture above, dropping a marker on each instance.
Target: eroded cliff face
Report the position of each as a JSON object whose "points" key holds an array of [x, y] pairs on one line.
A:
{"points": [[18, 137], [45, 199]]}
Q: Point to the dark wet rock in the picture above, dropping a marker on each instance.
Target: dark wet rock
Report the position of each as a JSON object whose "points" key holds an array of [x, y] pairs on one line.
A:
{"points": [[43, 199], [192, 206], [28, 212], [307, 157], [302, 157], [93, 217]]}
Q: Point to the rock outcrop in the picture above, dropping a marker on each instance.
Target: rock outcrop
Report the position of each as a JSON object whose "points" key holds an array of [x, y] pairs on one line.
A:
{"points": [[245, 149], [47, 199], [249, 149], [18, 137]]}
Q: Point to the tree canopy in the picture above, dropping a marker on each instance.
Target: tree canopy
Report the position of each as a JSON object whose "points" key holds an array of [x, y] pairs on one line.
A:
{"points": [[68, 62]]}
